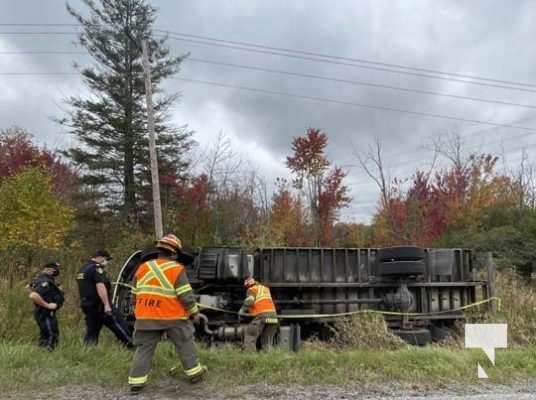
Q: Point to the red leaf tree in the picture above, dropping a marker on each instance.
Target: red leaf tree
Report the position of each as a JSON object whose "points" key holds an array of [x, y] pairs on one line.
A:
{"points": [[323, 187], [18, 152]]}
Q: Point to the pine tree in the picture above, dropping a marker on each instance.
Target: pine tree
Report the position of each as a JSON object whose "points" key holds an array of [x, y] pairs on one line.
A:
{"points": [[110, 123]]}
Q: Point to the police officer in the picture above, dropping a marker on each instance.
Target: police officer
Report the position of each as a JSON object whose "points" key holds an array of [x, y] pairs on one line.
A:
{"points": [[47, 298], [95, 301]]}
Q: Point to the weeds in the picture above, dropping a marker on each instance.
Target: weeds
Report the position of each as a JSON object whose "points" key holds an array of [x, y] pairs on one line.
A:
{"points": [[518, 308], [365, 331]]}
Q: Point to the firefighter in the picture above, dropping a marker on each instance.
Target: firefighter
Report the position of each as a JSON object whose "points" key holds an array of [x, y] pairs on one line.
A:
{"points": [[164, 303], [260, 306], [48, 299], [95, 301]]}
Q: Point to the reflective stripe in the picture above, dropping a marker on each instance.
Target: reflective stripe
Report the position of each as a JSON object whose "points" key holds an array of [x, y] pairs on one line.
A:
{"points": [[150, 274], [183, 289], [164, 282], [156, 297], [263, 300], [193, 371], [138, 380], [193, 310], [262, 295], [171, 318], [271, 321], [155, 290]]}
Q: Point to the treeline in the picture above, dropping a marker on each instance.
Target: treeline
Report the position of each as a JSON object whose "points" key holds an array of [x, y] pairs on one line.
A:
{"points": [[473, 201], [45, 204]]}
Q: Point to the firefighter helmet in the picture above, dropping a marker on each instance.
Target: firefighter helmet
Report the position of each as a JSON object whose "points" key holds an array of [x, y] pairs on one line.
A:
{"points": [[170, 242]]}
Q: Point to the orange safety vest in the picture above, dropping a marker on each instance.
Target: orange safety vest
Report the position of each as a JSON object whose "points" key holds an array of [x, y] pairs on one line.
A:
{"points": [[263, 300], [156, 296]]}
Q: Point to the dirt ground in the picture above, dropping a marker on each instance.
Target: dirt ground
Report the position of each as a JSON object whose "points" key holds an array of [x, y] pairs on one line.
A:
{"points": [[171, 390]]}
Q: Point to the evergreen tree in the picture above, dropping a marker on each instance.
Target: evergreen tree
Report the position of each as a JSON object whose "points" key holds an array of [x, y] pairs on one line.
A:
{"points": [[110, 123]]}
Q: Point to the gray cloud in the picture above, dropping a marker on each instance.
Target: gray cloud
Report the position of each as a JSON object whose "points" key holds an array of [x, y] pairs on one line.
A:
{"points": [[486, 38]]}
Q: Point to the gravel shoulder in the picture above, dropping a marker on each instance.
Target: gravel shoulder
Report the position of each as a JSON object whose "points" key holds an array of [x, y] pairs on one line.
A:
{"points": [[172, 390]]}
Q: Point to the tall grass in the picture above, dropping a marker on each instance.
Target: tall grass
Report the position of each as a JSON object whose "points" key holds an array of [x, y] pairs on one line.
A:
{"points": [[364, 331], [518, 307]]}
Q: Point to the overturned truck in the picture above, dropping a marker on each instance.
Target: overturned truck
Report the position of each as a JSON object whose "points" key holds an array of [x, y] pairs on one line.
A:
{"points": [[422, 292]]}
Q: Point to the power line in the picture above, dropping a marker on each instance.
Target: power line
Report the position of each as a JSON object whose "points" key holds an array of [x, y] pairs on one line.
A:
{"points": [[401, 163], [43, 52], [314, 98], [302, 52], [43, 33], [269, 52], [37, 73], [356, 60], [311, 76], [174, 36], [360, 105], [42, 24], [357, 83]]}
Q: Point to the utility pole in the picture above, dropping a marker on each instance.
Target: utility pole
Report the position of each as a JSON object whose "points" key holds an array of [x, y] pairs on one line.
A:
{"points": [[157, 206]]}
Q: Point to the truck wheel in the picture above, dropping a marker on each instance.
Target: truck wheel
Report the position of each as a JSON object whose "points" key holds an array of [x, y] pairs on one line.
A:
{"points": [[440, 333], [415, 337], [401, 268], [401, 253]]}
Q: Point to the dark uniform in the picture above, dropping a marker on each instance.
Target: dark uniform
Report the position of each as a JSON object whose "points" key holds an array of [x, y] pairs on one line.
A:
{"points": [[93, 308], [45, 285]]}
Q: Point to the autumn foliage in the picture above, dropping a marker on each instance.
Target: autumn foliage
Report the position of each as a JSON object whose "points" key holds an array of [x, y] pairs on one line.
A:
{"points": [[18, 152], [323, 186], [32, 216], [447, 200], [288, 218]]}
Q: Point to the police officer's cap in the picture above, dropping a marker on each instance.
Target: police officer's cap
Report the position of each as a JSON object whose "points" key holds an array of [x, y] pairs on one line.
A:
{"points": [[103, 253], [53, 265]]}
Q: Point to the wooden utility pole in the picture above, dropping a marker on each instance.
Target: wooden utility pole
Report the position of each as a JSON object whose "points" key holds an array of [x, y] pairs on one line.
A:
{"points": [[157, 206]]}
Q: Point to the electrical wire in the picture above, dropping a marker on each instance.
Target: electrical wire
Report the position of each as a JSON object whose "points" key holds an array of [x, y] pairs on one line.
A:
{"points": [[310, 76], [297, 51], [488, 82], [312, 98], [353, 104]]}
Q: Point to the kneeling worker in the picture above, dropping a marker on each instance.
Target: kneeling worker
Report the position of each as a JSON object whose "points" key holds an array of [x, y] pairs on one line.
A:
{"points": [[260, 305], [47, 298], [164, 303]]}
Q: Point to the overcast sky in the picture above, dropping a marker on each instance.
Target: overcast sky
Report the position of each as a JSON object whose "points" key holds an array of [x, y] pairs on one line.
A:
{"points": [[492, 39]]}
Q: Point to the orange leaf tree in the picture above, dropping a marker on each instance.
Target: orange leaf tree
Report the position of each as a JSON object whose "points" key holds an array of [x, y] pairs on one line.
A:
{"points": [[322, 185]]}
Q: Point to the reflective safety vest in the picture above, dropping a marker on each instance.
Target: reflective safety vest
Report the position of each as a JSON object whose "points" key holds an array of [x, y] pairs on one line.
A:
{"points": [[263, 300], [156, 296]]}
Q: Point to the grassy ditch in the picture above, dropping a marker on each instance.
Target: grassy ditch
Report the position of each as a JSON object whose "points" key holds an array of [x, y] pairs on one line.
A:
{"points": [[25, 367]]}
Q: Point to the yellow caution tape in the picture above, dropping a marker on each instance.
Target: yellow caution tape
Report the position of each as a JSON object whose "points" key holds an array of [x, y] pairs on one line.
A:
{"points": [[350, 313], [367, 311], [124, 284]]}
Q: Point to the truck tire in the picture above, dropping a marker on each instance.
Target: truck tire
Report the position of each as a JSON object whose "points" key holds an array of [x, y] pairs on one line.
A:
{"points": [[401, 253], [401, 268], [415, 337], [441, 333]]}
